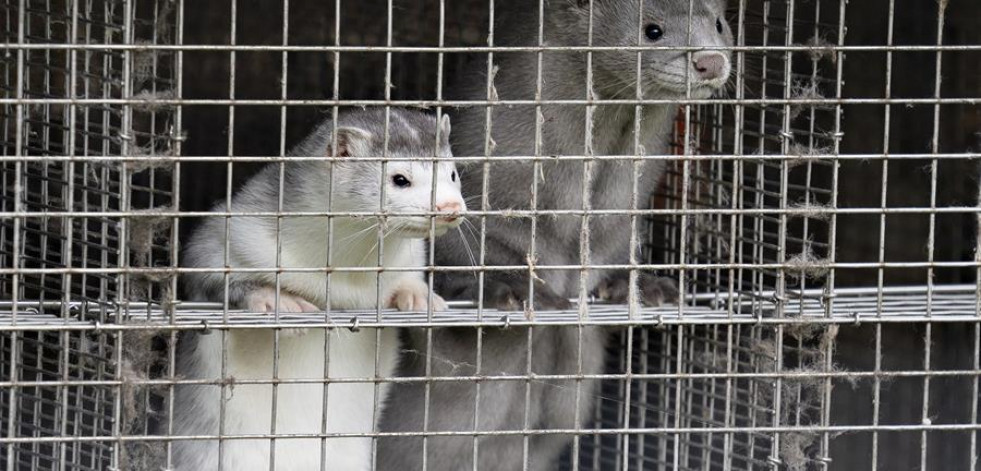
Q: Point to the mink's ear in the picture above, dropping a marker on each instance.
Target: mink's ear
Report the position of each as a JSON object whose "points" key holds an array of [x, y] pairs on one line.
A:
{"points": [[350, 142], [444, 127]]}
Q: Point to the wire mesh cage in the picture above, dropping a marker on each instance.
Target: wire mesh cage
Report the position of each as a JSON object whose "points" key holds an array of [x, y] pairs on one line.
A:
{"points": [[818, 216], [41, 175]]}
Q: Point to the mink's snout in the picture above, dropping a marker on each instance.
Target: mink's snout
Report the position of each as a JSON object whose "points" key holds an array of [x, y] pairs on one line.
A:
{"points": [[452, 208], [710, 65]]}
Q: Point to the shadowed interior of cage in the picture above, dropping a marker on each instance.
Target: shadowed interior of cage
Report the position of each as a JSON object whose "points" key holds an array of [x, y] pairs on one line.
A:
{"points": [[66, 241], [687, 390], [88, 242]]}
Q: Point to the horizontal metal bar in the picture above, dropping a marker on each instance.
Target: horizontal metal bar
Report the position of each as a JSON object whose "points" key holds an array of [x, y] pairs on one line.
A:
{"points": [[485, 103], [789, 267], [708, 157], [952, 303], [473, 49], [497, 322], [755, 375], [860, 293], [707, 429], [504, 213]]}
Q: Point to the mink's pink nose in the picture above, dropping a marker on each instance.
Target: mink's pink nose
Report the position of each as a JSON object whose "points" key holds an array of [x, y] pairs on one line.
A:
{"points": [[452, 207], [710, 65]]}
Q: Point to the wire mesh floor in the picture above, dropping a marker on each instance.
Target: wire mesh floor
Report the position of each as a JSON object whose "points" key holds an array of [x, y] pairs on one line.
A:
{"points": [[945, 303]]}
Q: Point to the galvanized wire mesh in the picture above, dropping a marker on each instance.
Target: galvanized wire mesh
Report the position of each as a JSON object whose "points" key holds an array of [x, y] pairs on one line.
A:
{"points": [[811, 335]]}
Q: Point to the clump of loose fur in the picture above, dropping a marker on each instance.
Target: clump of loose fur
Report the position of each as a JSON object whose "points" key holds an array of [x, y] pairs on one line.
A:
{"points": [[154, 158], [820, 48], [142, 358], [143, 286], [801, 154], [811, 210], [143, 230], [804, 91], [153, 155], [793, 449], [807, 265], [802, 390], [151, 101], [143, 61]]}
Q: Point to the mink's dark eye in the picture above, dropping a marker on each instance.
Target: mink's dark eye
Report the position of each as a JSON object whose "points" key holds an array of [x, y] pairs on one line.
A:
{"points": [[400, 181], [653, 32], [718, 25], [453, 176]]}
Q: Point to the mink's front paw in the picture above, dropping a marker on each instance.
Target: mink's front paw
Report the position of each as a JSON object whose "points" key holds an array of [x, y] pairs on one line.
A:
{"points": [[413, 295], [653, 290], [510, 293], [264, 300]]}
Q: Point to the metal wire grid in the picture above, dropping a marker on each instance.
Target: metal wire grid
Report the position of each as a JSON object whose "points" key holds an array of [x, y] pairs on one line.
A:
{"points": [[702, 384], [757, 212], [57, 182], [799, 184]]}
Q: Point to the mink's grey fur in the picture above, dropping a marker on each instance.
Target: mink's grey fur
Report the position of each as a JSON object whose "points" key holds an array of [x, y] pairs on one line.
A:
{"points": [[547, 404]]}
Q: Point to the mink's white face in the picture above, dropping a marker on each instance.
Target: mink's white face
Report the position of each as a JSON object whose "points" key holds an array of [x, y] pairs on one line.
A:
{"points": [[409, 189], [419, 178]]}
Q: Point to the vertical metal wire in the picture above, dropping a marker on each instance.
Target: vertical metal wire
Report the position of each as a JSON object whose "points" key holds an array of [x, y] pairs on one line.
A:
{"points": [[67, 243], [536, 165], [643, 399], [45, 134], [685, 165], [223, 387], [176, 134], [757, 179], [379, 302], [976, 379], [829, 288], [127, 141], [280, 194], [633, 276], [883, 203], [931, 237], [620, 411], [679, 352], [735, 222], [92, 66], [706, 360], [974, 388], [683, 232], [38, 354], [532, 245], [18, 196], [781, 294], [484, 206], [335, 94], [663, 393]]}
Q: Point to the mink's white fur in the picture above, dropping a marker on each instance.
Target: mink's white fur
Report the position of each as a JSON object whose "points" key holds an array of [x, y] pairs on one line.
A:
{"points": [[247, 409]]}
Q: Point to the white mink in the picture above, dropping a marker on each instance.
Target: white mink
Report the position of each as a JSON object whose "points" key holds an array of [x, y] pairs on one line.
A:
{"points": [[248, 408]]}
